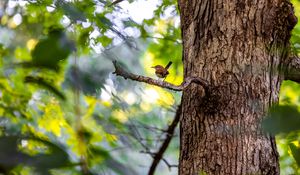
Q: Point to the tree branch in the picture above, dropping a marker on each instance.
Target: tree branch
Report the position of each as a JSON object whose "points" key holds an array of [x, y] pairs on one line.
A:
{"points": [[127, 75], [170, 132], [115, 2], [292, 69]]}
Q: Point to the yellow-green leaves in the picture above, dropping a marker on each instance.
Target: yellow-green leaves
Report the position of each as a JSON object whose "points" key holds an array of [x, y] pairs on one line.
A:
{"points": [[53, 120]]}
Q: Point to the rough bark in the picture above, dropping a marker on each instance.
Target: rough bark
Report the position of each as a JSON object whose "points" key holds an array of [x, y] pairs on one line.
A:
{"points": [[239, 47], [292, 71]]}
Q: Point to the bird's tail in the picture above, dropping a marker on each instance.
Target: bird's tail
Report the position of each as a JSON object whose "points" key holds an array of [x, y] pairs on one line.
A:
{"points": [[168, 65]]}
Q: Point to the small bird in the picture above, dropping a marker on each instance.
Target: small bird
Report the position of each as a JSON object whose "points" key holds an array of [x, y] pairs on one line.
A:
{"points": [[162, 72]]}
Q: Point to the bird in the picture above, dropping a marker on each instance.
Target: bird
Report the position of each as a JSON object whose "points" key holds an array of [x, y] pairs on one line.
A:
{"points": [[162, 72]]}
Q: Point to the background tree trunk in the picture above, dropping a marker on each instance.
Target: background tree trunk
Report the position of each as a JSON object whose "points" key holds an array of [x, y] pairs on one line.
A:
{"points": [[238, 46]]}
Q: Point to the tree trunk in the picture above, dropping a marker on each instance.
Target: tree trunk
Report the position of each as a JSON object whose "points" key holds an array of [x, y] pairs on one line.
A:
{"points": [[238, 46]]}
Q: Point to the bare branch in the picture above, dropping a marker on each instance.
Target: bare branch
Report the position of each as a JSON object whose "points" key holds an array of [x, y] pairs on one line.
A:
{"points": [[127, 75], [170, 132], [164, 38], [163, 159], [292, 69], [150, 128], [115, 2]]}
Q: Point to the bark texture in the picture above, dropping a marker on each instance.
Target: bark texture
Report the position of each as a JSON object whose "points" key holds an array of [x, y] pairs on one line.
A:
{"points": [[238, 47]]}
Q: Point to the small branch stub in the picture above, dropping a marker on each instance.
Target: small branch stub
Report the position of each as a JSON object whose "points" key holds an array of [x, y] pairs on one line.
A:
{"points": [[292, 69], [127, 75]]}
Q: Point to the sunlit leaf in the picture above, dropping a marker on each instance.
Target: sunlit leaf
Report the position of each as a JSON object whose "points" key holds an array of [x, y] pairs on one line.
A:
{"points": [[22, 54], [104, 40], [53, 119]]}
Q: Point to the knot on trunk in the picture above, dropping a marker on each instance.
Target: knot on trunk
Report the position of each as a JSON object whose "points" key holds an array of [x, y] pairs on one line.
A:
{"points": [[279, 22], [215, 100], [288, 12]]}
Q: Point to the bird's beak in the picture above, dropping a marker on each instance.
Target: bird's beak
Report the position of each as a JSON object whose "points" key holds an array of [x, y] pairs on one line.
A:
{"points": [[152, 67]]}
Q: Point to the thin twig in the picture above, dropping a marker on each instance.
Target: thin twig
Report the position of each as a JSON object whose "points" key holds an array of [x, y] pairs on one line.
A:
{"points": [[127, 75], [115, 3], [164, 38], [159, 155], [140, 140], [150, 128], [163, 159]]}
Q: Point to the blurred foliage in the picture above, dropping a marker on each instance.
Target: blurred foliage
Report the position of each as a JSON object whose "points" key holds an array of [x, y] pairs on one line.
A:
{"points": [[63, 112], [61, 109], [284, 121], [295, 39]]}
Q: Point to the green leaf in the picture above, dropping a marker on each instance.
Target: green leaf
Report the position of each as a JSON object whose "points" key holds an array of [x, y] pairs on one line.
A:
{"points": [[3, 51], [282, 119], [295, 152], [22, 54], [104, 20], [56, 158], [73, 12], [48, 52], [104, 40], [13, 156], [99, 151], [83, 38]]}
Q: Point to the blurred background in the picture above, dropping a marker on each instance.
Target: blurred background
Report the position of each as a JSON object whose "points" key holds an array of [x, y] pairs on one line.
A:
{"points": [[62, 111]]}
